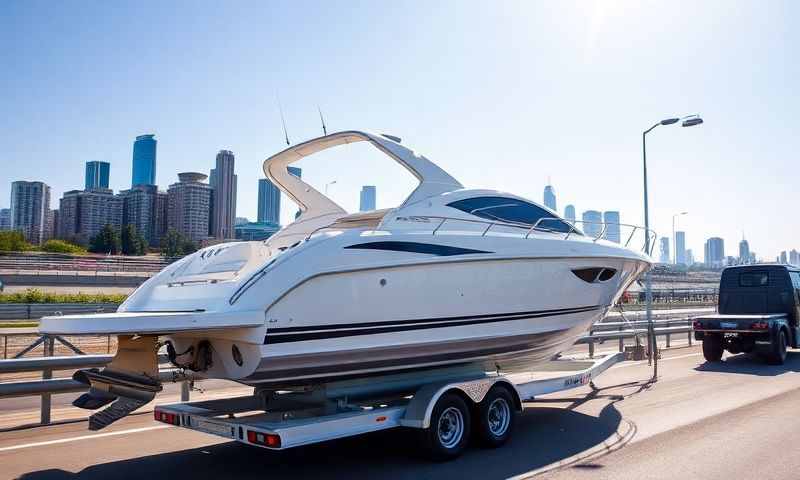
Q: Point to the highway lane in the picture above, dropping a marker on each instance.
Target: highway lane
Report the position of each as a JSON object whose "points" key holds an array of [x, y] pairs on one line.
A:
{"points": [[553, 430]]}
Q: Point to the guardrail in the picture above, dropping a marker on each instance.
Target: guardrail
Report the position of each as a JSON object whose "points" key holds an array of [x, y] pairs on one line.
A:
{"points": [[47, 386], [35, 311]]}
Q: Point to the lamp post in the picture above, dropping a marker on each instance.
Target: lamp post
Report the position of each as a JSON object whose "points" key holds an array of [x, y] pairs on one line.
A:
{"points": [[675, 239], [652, 357], [328, 185]]}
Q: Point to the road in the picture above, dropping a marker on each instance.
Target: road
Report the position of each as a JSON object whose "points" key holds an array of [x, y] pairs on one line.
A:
{"points": [[683, 426]]}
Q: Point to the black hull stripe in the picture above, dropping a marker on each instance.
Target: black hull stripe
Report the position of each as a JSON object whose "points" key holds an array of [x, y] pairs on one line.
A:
{"points": [[392, 323], [275, 338], [416, 247]]}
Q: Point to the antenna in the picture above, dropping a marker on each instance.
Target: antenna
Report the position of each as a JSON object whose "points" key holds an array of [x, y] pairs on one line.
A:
{"points": [[283, 120], [322, 119]]}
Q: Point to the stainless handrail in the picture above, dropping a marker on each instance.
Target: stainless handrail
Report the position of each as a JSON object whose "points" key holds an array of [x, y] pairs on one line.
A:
{"points": [[536, 226]]}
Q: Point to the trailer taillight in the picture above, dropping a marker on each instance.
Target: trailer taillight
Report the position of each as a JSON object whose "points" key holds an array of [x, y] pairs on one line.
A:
{"points": [[697, 325], [759, 325], [165, 417], [266, 439]]}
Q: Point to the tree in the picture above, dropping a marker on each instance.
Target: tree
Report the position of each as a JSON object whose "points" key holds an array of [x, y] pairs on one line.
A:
{"points": [[13, 241], [175, 244], [133, 243], [62, 246], [106, 241]]}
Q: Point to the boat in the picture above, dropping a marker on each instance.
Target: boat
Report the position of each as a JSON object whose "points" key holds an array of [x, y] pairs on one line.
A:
{"points": [[452, 277]]}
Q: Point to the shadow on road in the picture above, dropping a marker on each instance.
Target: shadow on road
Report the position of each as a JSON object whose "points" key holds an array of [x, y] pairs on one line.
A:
{"points": [[750, 364], [543, 435]]}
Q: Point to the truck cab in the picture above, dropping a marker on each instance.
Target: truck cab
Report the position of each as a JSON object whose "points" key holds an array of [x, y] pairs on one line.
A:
{"points": [[758, 312]]}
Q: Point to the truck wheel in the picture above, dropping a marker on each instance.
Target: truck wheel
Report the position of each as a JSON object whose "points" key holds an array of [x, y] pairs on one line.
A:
{"points": [[712, 347], [495, 417], [778, 355], [448, 433]]}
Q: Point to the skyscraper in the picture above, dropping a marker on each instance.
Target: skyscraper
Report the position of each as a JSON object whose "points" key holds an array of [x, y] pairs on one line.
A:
{"points": [[223, 206], [744, 252], [189, 205], [664, 250], [569, 213], [367, 200], [83, 213], [141, 209], [30, 207], [269, 202], [680, 248], [689, 257], [97, 175], [715, 252], [5, 219], [611, 220], [550, 198], [784, 259], [592, 223], [144, 160], [794, 257]]}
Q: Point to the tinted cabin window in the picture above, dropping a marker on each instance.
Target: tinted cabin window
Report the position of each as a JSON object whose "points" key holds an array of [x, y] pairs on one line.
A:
{"points": [[795, 279], [510, 210], [754, 279]]}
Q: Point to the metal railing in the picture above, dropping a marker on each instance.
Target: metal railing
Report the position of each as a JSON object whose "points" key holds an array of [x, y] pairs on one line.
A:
{"points": [[35, 311], [47, 385]]}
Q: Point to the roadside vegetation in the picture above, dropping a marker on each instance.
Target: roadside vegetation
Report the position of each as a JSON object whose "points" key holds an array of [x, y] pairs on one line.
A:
{"points": [[175, 244], [62, 246], [33, 295], [14, 241]]}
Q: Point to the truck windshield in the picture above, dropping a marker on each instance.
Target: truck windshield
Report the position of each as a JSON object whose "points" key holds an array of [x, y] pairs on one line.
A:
{"points": [[753, 279]]}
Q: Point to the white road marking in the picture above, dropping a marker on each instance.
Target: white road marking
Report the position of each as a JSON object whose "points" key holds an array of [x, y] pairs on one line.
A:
{"points": [[626, 365], [83, 437]]}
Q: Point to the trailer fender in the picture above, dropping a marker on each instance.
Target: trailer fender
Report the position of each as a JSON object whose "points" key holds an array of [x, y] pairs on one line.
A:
{"points": [[419, 410]]}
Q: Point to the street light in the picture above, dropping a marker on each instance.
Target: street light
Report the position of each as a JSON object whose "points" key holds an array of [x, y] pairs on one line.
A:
{"points": [[675, 239], [328, 185], [688, 121]]}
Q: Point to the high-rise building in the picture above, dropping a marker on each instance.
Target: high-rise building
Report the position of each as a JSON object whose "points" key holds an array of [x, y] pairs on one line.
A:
{"points": [[30, 206], [223, 202], [689, 257], [550, 198], [715, 252], [97, 175], [189, 205], [784, 259], [611, 220], [569, 213], [5, 219], [744, 252], [83, 213], [664, 250], [680, 248], [592, 223], [794, 257], [141, 206], [269, 202], [367, 201], [144, 160]]}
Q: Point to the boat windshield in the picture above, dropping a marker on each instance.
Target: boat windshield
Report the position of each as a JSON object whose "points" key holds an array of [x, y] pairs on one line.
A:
{"points": [[512, 210]]}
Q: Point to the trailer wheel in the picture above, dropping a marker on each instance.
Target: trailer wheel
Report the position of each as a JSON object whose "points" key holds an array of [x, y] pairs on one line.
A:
{"points": [[778, 355], [712, 347], [495, 417], [448, 433]]}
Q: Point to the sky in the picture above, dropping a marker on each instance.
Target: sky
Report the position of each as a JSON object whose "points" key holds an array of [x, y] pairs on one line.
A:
{"points": [[502, 95]]}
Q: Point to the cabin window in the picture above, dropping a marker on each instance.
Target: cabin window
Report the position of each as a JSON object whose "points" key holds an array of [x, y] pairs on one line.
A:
{"points": [[795, 279], [511, 210], [754, 279]]}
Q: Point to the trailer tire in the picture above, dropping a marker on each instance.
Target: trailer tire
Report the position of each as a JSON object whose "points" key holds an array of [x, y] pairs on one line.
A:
{"points": [[778, 354], [712, 347], [448, 433], [495, 417]]}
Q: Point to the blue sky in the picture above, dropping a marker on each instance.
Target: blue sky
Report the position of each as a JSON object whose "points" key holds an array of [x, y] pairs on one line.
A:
{"points": [[501, 94]]}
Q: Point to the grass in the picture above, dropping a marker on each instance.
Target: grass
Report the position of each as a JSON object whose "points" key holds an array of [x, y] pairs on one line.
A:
{"points": [[33, 295], [18, 324]]}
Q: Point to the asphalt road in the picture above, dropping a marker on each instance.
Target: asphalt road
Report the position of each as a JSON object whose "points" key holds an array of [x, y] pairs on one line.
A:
{"points": [[732, 420]]}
